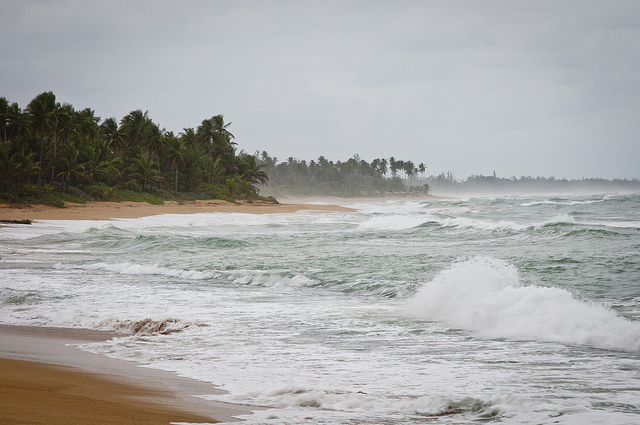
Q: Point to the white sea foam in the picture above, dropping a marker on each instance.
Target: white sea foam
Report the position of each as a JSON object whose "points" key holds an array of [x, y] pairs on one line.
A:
{"points": [[432, 405], [271, 280], [558, 219], [141, 269], [617, 224], [392, 223], [472, 224], [563, 203], [485, 295]]}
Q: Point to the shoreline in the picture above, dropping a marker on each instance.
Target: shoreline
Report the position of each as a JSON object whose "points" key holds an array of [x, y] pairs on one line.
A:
{"points": [[93, 210], [48, 380]]}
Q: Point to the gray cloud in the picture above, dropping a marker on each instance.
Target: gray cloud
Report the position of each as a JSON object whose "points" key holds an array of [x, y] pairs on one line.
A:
{"points": [[533, 88]]}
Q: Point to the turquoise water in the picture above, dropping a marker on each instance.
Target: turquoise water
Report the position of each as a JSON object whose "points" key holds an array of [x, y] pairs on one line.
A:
{"points": [[498, 309]]}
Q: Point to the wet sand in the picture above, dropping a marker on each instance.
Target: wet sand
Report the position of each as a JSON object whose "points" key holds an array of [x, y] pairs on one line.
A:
{"points": [[44, 379]]}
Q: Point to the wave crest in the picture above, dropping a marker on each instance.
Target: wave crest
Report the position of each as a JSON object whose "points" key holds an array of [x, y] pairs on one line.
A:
{"points": [[485, 295], [141, 269]]}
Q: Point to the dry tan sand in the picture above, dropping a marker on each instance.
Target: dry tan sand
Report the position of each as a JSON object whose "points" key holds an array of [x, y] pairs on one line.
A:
{"points": [[109, 210]]}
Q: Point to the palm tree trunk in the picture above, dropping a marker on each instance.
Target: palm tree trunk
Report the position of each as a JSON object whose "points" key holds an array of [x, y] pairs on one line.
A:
{"points": [[40, 161], [53, 164], [176, 180]]}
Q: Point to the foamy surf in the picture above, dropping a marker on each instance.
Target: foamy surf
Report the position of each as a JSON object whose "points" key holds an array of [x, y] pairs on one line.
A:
{"points": [[485, 295]]}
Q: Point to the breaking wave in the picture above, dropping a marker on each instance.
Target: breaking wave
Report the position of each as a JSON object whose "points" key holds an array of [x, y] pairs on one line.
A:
{"points": [[485, 295], [426, 406]]}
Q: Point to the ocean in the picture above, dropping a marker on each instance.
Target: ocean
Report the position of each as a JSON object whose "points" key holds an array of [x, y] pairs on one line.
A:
{"points": [[510, 309]]}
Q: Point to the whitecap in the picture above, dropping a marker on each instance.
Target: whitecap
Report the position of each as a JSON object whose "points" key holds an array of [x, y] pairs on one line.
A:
{"points": [[485, 295]]}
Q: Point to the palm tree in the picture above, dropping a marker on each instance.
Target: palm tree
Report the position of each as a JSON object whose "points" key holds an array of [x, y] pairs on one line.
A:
{"points": [[98, 160], [70, 165], [206, 134], [154, 141], [42, 116], [231, 187], [16, 166], [175, 156], [109, 131], [87, 123], [215, 138], [17, 124], [189, 138], [63, 126], [250, 170], [410, 170], [223, 146], [134, 128], [142, 170], [247, 189], [4, 117], [422, 168]]}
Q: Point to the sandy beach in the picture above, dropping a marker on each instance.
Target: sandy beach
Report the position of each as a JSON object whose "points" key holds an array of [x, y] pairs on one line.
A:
{"points": [[46, 380], [110, 210]]}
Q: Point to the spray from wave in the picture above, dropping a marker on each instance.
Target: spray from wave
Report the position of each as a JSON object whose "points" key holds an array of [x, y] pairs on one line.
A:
{"points": [[485, 295]]}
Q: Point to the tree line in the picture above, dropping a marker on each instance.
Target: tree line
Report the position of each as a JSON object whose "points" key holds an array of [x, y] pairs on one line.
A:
{"points": [[447, 183], [49, 147], [353, 177]]}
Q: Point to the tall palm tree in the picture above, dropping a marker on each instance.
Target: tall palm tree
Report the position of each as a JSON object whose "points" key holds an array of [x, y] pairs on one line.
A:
{"points": [[154, 141], [42, 116], [175, 156], [216, 138], [206, 134], [223, 144], [64, 125]]}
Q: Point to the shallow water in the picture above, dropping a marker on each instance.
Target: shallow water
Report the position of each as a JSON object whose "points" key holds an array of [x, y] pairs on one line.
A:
{"points": [[519, 310]]}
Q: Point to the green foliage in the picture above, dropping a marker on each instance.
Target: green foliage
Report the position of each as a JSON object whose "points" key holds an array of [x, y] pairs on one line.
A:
{"points": [[132, 196], [52, 153], [70, 198]]}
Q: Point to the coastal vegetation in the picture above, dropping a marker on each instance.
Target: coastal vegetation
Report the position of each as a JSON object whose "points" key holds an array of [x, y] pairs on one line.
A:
{"points": [[353, 177], [51, 153]]}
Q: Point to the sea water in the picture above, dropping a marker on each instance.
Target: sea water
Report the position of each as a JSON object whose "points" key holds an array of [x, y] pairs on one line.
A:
{"points": [[518, 310]]}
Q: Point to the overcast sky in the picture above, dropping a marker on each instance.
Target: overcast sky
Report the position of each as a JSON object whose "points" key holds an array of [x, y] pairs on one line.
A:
{"points": [[516, 87]]}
